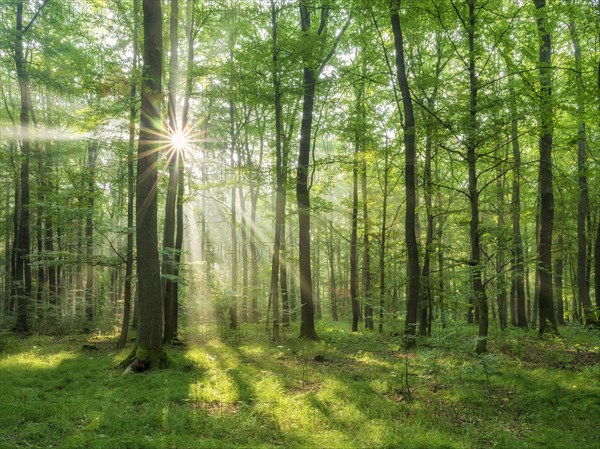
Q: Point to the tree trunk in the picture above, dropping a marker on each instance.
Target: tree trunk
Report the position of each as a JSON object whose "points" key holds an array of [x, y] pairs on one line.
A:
{"points": [[332, 285], [474, 233], [233, 321], [412, 292], [22, 275], [244, 249], [307, 325], [366, 274], [168, 262], [382, 237], [520, 318], [544, 266], [130, 182], [597, 266], [353, 242], [89, 235], [558, 282], [149, 350], [501, 297], [583, 287]]}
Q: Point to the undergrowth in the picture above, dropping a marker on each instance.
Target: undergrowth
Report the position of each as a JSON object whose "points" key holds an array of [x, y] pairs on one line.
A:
{"points": [[345, 391]]}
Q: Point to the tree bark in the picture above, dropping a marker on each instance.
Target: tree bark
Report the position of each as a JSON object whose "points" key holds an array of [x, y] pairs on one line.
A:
{"points": [[149, 350], [279, 194], [544, 265], [501, 297], [332, 284], [353, 241], [558, 281], [168, 263], [89, 235], [22, 275], [383, 235], [583, 286], [233, 321], [412, 292], [474, 232], [518, 263], [307, 325], [130, 182]]}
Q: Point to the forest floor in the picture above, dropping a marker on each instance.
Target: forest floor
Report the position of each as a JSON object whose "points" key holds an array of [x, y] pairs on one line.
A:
{"points": [[345, 391]]}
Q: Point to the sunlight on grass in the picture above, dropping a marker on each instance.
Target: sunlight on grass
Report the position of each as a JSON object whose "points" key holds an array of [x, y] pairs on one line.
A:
{"points": [[34, 360], [259, 395]]}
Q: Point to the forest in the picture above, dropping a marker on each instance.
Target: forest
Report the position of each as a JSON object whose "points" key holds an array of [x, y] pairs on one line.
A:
{"points": [[300, 224]]}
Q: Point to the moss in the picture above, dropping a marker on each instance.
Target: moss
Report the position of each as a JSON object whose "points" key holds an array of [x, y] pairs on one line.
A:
{"points": [[153, 359], [142, 359]]}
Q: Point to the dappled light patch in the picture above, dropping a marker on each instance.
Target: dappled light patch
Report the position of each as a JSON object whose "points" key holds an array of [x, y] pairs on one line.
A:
{"points": [[267, 395]]}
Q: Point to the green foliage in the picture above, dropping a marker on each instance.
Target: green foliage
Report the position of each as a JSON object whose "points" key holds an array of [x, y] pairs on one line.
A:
{"points": [[242, 394]]}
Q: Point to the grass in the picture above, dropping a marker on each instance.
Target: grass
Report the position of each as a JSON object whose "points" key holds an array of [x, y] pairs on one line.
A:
{"points": [[361, 391]]}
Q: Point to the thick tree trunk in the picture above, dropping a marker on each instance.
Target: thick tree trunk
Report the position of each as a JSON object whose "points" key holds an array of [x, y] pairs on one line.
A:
{"points": [[544, 266], [22, 274], [412, 292], [149, 350]]}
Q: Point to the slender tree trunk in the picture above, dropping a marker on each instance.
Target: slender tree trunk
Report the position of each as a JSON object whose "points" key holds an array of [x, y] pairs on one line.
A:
{"points": [[317, 262], [244, 250], [544, 267], [383, 235], [558, 281], [49, 242], [426, 299], [366, 280], [412, 292], [168, 262], [597, 266], [7, 306], [233, 253], [307, 325], [520, 319], [130, 182], [476, 266], [353, 242], [89, 235], [292, 293], [501, 297], [583, 287], [332, 285]]}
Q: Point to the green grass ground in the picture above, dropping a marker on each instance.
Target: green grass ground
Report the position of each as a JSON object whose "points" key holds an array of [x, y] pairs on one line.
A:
{"points": [[233, 393]]}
